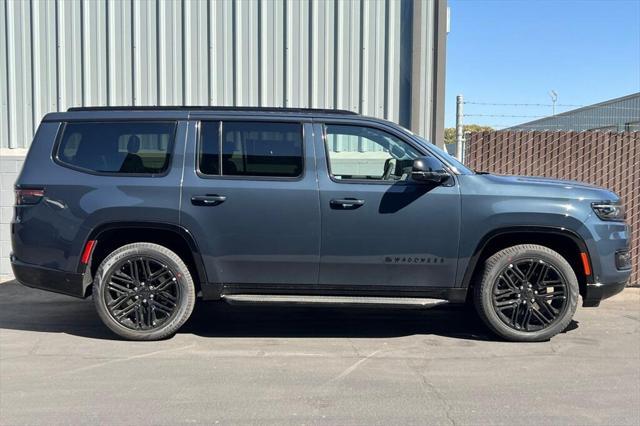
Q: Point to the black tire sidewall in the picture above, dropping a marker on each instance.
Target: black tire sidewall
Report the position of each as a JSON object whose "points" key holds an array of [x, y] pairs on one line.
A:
{"points": [[161, 254], [497, 263]]}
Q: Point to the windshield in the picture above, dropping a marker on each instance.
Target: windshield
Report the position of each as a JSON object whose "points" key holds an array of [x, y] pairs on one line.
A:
{"points": [[456, 165]]}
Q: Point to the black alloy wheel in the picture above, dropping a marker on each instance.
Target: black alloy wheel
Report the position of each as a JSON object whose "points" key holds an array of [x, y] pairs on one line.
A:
{"points": [[530, 294], [142, 293], [526, 293]]}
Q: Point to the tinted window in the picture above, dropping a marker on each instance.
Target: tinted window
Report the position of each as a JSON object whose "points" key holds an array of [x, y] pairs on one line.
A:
{"points": [[252, 149], [209, 155], [118, 147], [366, 153]]}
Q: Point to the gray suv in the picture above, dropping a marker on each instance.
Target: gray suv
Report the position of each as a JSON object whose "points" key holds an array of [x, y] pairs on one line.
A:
{"points": [[149, 208]]}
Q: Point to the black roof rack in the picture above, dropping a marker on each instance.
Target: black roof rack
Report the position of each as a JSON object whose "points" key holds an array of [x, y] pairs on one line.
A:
{"points": [[214, 108]]}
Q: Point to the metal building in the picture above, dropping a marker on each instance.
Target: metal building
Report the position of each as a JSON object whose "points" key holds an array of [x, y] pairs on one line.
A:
{"points": [[383, 58], [377, 57], [616, 115]]}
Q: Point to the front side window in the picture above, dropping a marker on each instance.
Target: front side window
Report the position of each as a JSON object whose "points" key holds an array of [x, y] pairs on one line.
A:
{"points": [[365, 153], [117, 147], [259, 149]]}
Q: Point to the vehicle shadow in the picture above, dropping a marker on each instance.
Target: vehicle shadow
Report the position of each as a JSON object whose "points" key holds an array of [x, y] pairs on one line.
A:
{"points": [[27, 309]]}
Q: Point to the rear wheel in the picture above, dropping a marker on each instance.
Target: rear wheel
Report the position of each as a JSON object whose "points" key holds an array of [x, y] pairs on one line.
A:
{"points": [[143, 291], [528, 293]]}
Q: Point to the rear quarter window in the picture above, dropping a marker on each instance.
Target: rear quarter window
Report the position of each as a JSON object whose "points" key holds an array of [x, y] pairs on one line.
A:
{"points": [[139, 148], [251, 149]]}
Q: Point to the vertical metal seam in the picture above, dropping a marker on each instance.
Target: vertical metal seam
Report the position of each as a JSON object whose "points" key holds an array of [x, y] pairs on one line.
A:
{"points": [[310, 56], [33, 79], [6, 41], [108, 52], [386, 61], [234, 52], [260, 54], [208, 67], [132, 42], [57, 36], [183, 55], [285, 56], [336, 54], [82, 56], [158, 55], [361, 60]]}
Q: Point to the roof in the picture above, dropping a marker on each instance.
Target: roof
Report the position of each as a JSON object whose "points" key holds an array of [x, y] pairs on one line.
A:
{"points": [[612, 112], [161, 113], [215, 109]]}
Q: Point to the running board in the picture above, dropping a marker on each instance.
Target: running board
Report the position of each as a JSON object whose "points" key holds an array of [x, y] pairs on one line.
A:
{"points": [[410, 302]]}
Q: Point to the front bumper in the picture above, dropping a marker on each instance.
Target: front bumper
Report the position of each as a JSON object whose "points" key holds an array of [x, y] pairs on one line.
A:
{"points": [[72, 284], [596, 292]]}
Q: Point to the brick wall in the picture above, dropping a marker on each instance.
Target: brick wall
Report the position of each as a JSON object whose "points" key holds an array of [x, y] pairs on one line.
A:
{"points": [[607, 159], [10, 165]]}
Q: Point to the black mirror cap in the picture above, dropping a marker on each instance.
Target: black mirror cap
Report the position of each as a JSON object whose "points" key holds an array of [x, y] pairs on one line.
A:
{"points": [[428, 169]]}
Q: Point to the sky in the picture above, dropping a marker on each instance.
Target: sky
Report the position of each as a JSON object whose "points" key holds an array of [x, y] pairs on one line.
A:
{"points": [[516, 51]]}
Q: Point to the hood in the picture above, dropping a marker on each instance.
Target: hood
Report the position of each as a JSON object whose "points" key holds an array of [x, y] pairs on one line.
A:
{"points": [[560, 187], [551, 181]]}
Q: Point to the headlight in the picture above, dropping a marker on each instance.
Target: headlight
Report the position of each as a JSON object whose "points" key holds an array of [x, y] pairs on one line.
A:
{"points": [[607, 210]]}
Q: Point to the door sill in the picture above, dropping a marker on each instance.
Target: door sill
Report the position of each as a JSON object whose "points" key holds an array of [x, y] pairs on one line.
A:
{"points": [[216, 291], [283, 299]]}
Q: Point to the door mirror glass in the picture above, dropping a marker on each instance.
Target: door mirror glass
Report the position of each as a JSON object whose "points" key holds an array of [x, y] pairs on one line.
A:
{"points": [[428, 169]]}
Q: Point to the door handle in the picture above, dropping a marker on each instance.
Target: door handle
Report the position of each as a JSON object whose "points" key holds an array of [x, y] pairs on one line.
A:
{"points": [[207, 200], [346, 203]]}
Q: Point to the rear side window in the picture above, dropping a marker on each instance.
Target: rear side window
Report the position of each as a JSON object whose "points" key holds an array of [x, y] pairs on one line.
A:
{"points": [[259, 149], [117, 147]]}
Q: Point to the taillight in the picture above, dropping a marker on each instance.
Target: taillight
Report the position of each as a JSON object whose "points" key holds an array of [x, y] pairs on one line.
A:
{"points": [[28, 196]]}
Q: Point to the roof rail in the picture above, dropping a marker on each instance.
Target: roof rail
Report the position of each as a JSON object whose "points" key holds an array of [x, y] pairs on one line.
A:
{"points": [[214, 108]]}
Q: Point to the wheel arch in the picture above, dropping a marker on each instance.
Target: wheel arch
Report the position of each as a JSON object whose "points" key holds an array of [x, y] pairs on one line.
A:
{"points": [[564, 241], [109, 236]]}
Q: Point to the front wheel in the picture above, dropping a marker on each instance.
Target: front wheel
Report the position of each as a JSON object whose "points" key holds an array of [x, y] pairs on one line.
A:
{"points": [[143, 291], [528, 293]]}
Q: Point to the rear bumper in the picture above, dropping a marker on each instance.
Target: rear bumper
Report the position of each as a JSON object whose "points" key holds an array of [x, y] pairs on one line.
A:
{"points": [[68, 283], [597, 292]]}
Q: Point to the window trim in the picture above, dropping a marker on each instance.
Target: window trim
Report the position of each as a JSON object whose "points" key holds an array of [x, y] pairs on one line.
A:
{"points": [[415, 146], [221, 176], [55, 155]]}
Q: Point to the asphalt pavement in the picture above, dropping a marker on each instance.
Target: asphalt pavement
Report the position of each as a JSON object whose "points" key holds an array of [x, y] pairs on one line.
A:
{"points": [[320, 365]]}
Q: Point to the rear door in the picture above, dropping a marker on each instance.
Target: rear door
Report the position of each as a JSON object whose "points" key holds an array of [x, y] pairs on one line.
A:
{"points": [[250, 198], [379, 227]]}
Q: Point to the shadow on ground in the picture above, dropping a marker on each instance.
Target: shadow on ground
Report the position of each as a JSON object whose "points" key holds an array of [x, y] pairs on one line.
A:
{"points": [[27, 309]]}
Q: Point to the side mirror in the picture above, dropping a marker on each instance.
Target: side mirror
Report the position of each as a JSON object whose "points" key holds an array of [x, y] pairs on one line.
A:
{"points": [[428, 169]]}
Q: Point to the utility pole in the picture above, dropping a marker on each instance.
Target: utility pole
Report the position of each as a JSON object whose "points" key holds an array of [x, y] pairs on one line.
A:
{"points": [[554, 98], [459, 130]]}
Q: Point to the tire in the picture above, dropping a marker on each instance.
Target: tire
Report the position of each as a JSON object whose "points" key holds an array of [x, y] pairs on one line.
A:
{"points": [[143, 291], [549, 287]]}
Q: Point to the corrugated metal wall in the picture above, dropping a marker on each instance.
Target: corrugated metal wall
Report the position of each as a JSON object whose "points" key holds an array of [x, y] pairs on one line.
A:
{"points": [[351, 54], [616, 115]]}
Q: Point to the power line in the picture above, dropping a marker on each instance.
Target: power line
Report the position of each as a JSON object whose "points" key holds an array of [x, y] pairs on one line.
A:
{"points": [[603, 107], [520, 105], [505, 115]]}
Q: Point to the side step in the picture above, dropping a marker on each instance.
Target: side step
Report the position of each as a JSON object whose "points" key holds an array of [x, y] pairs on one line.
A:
{"points": [[410, 302]]}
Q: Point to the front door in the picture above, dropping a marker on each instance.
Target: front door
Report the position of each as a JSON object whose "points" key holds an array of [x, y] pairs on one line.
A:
{"points": [[250, 199], [379, 227]]}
